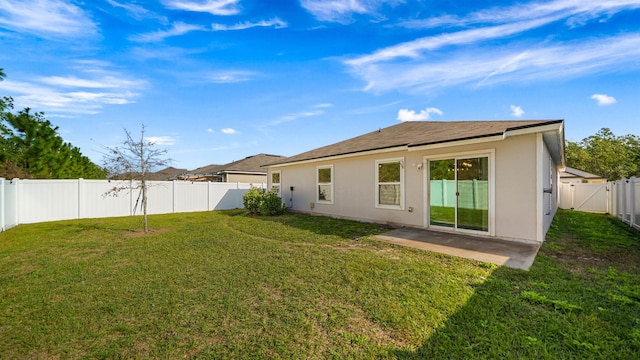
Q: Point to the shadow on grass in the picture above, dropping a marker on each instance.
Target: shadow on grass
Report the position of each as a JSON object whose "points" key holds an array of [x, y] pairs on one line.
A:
{"points": [[581, 300], [319, 225]]}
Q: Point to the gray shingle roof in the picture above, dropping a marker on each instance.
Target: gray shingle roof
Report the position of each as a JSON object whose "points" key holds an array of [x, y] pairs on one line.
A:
{"points": [[415, 134], [573, 172], [249, 164]]}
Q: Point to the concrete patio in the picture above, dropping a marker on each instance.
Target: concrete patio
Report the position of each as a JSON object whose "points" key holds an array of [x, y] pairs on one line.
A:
{"points": [[500, 252]]}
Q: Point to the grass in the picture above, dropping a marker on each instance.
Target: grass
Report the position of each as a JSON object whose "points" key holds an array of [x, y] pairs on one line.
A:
{"points": [[227, 285]]}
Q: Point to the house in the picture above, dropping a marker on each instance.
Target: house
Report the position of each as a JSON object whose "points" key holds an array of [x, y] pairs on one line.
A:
{"points": [[572, 175], [247, 170], [169, 173], [494, 179]]}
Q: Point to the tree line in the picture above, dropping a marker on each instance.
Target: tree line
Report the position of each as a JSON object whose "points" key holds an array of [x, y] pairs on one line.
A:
{"points": [[605, 154], [31, 148]]}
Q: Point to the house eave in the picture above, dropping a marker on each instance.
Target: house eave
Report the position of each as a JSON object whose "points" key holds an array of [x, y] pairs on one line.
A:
{"points": [[241, 172], [340, 156], [457, 142]]}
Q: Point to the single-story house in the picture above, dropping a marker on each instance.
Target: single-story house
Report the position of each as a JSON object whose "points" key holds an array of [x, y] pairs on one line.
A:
{"points": [[247, 170], [494, 179], [572, 175]]}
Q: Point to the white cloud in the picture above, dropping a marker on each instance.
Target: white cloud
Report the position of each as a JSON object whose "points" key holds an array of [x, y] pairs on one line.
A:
{"points": [[516, 110], [215, 7], [575, 13], [136, 11], [228, 131], [508, 63], [315, 110], [106, 82], [46, 18], [230, 76], [603, 99], [70, 96], [161, 140], [177, 29], [421, 65], [276, 23], [411, 115], [210, 130], [341, 11], [415, 49]]}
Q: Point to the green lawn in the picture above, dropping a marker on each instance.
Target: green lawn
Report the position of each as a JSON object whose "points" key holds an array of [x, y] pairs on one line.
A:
{"points": [[226, 285]]}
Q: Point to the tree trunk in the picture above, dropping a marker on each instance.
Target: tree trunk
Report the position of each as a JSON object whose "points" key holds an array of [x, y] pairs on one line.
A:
{"points": [[144, 204]]}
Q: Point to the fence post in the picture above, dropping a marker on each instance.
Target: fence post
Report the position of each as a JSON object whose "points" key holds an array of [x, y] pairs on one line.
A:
{"points": [[173, 196], [18, 195], [632, 200], [80, 198], [238, 196], [131, 197], [3, 201], [208, 195]]}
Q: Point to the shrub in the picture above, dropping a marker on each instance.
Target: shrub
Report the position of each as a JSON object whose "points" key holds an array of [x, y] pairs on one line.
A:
{"points": [[251, 200], [259, 202], [271, 204]]}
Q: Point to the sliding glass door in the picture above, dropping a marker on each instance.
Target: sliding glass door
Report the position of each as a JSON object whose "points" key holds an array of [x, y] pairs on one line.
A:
{"points": [[459, 193]]}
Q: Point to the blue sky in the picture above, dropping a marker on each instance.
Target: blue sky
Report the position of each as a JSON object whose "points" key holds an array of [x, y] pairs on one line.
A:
{"points": [[218, 80]]}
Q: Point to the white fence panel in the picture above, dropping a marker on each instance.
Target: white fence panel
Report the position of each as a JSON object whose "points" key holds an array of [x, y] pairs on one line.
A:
{"points": [[99, 201], [585, 197], [160, 197], [8, 204], [191, 196], [47, 200], [636, 189], [31, 201]]}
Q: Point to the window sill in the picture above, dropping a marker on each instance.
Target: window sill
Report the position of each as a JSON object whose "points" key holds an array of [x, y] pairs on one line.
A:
{"points": [[390, 207]]}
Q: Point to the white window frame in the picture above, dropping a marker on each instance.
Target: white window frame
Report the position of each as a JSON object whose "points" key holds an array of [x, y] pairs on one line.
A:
{"points": [[402, 187], [318, 183], [278, 184]]}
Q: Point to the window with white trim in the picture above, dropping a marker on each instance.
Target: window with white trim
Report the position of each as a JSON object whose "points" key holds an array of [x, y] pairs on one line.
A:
{"points": [[275, 182], [390, 183], [324, 181]]}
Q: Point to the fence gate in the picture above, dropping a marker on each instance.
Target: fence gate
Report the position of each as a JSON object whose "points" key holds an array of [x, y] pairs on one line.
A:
{"points": [[585, 197]]}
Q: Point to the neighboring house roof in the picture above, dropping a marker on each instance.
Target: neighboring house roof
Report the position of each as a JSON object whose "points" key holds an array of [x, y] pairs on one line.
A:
{"points": [[250, 164], [209, 169], [570, 172], [432, 133], [166, 174]]}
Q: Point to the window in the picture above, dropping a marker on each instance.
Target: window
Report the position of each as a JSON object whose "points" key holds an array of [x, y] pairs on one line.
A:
{"points": [[275, 182], [325, 184], [390, 184]]}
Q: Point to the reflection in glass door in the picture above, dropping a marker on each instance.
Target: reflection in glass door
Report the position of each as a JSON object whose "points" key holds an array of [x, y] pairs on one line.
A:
{"points": [[442, 180], [459, 193], [473, 194]]}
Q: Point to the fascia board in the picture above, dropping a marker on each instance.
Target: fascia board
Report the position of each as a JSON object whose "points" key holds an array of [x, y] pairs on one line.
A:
{"points": [[441, 145], [343, 156]]}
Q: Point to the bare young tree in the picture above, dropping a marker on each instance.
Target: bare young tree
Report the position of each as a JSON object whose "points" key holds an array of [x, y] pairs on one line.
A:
{"points": [[133, 161]]}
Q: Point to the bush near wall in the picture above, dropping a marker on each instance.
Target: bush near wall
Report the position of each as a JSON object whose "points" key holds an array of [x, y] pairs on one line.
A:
{"points": [[260, 202]]}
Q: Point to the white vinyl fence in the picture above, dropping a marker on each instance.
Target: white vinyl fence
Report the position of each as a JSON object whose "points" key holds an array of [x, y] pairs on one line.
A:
{"points": [[626, 201], [32, 201], [620, 198], [585, 197], [443, 193]]}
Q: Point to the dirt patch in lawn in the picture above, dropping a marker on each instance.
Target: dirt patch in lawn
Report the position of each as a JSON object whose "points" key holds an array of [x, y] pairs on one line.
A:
{"points": [[139, 233]]}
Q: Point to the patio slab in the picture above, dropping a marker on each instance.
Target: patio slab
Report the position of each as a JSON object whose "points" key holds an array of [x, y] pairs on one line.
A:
{"points": [[500, 252]]}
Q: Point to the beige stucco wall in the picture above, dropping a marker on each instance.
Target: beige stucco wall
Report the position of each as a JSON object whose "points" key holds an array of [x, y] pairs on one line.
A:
{"points": [[245, 178], [354, 186]]}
